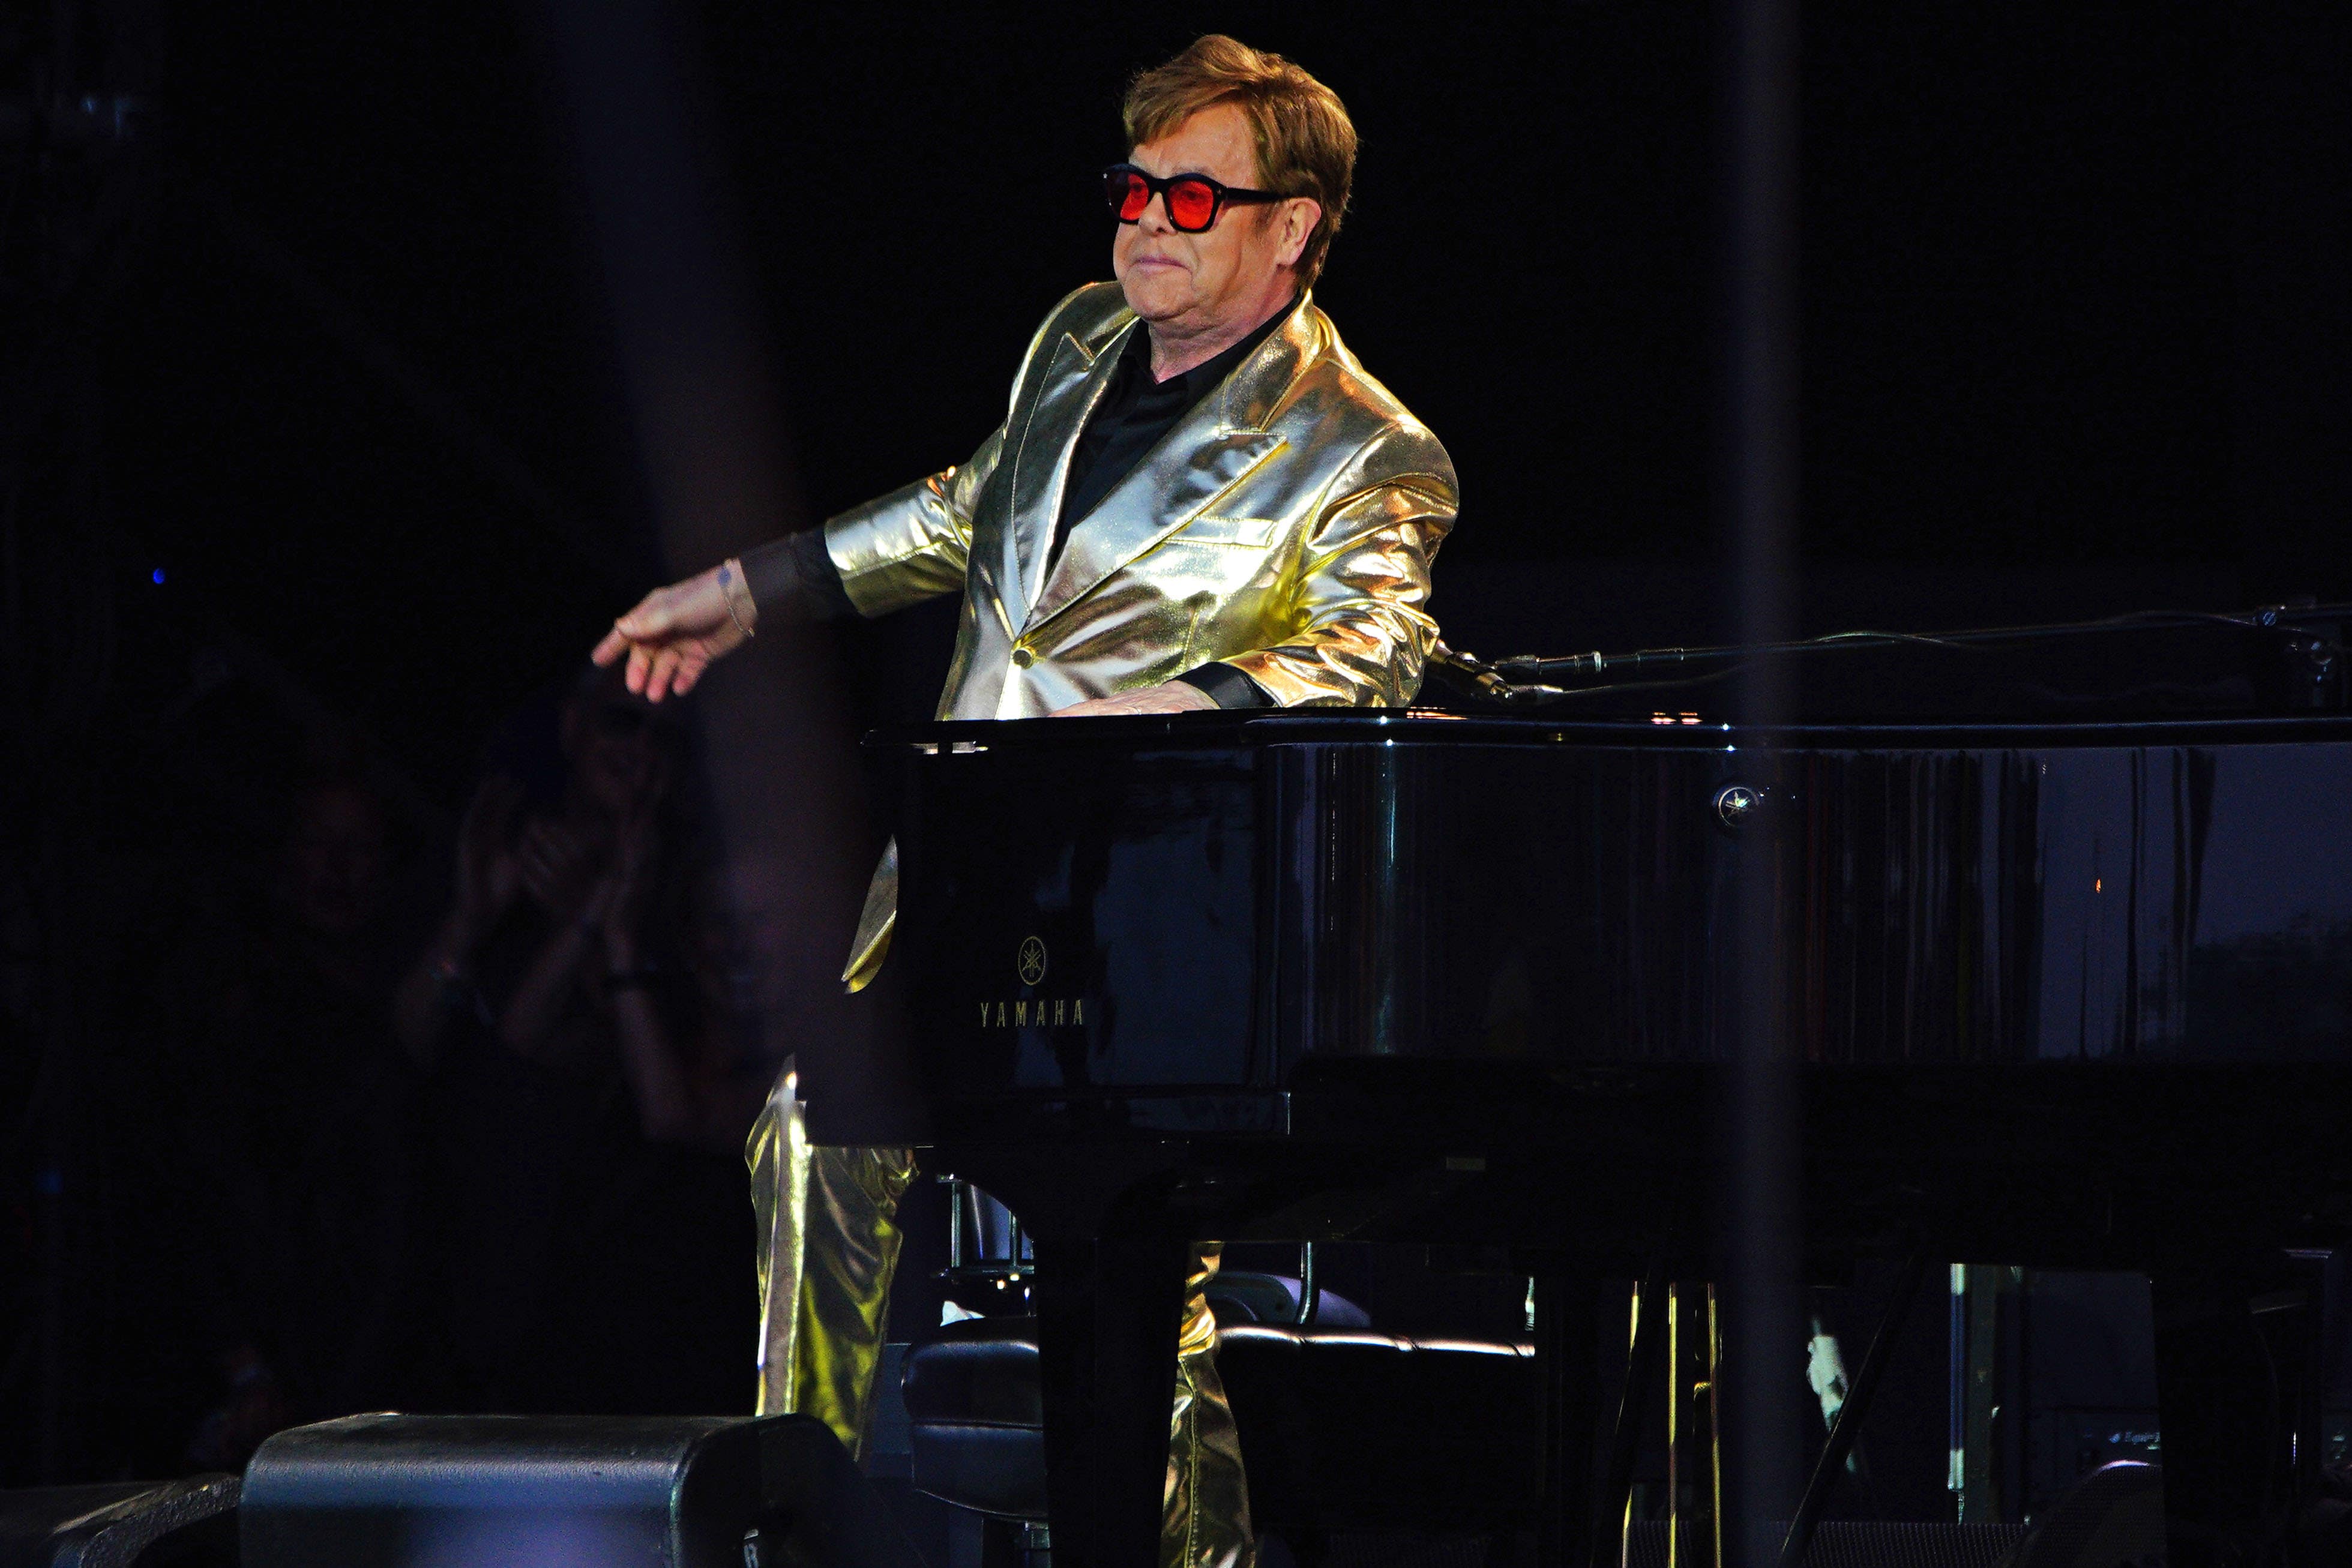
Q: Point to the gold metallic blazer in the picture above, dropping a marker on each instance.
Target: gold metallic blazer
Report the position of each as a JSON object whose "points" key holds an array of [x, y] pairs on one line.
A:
{"points": [[1286, 525]]}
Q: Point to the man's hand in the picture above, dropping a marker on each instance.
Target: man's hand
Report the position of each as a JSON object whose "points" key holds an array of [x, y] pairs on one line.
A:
{"points": [[1168, 696], [675, 634]]}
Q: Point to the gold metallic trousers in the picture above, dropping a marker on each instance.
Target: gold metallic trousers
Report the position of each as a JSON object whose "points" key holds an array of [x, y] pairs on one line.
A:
{"points": [[828, 1243]]}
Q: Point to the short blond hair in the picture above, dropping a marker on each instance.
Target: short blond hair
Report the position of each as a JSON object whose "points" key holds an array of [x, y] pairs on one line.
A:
{"points": [[1305, 142]]}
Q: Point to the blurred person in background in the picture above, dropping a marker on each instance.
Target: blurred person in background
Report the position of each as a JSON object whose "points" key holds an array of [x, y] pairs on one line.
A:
{"points": [[578, 1079], [693, 1041], [534, 885], [300, 1133], [650, 1261]]}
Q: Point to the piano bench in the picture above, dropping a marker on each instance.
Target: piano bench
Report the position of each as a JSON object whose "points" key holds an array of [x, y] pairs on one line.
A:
{"points": [[1340, 1430], [976, 1419]]}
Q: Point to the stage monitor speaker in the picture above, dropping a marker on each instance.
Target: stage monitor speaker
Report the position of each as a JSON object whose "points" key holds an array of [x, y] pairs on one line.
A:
{"points": [[563, 1491], [188, 1523]]}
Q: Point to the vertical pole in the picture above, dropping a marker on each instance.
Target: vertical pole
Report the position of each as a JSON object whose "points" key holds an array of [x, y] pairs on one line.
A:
{"points": [[1645, 1355], [1956, 1469], [1695, 1420], [1676, 1426], [1763, 1320], [955, 1221], [1715, 1427], [1981, 1493]]}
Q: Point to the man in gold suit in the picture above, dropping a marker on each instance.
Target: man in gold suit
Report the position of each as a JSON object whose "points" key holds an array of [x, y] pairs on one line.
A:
{"points": [[1198, 499]]}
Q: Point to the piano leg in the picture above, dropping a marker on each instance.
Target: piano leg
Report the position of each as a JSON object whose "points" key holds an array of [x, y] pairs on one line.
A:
{"points": [[1108, 1315], [1568, 1326], [2238, 1391]]}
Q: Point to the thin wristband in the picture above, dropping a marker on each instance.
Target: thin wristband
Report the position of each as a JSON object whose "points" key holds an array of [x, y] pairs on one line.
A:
{"points": [[731, 583]]}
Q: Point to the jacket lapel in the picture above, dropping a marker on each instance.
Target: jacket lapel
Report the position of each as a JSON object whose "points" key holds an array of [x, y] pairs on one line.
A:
{"points": [[1210, 450], [1074, 383]]}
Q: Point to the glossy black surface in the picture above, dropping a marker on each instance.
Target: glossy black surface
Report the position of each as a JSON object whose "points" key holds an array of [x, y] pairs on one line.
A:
{"points": [[1417, 975], [1224, 901], [2074, 994]]}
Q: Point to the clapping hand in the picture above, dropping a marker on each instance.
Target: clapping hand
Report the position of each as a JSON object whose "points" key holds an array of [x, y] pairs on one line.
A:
{"points": [[559, 868], [488, 875]]}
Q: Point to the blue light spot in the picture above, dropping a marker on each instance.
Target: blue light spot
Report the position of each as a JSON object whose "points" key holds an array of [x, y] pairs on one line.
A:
{"points": [[156, 577]]}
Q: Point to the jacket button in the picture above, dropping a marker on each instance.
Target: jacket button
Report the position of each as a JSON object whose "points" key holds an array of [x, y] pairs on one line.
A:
{"points": [[1023, 658]]}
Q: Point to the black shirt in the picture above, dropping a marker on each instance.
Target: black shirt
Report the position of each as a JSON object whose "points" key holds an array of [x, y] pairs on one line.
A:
{"points": [[1136, 412]]}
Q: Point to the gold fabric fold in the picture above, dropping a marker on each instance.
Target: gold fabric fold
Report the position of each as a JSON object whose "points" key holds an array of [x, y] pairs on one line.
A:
{"points": [[828, 1245], [846, 1265], [1206, 1521], [778, 1154], [875, 921]]}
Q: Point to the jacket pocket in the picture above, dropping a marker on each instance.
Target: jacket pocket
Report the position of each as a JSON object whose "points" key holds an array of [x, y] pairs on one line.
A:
{"points": [[1247, 533]]}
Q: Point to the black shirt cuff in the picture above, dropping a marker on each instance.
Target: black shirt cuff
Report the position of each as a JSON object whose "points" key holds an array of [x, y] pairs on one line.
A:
{"points": [[1226, 686], [794, 578]]}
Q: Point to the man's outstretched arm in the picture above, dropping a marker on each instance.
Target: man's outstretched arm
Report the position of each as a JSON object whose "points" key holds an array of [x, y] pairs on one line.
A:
{"points": [[908, 546]]}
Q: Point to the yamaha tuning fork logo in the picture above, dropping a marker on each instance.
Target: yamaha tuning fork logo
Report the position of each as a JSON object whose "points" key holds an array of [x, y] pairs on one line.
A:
{"points": [[1029, 964]]}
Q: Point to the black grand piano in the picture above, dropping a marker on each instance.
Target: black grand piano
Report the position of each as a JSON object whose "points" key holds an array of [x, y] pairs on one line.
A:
{"points": [[2060, 939]]}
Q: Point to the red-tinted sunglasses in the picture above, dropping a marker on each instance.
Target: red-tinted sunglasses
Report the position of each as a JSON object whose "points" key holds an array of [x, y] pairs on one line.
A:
{"points": [[1193, 201]]}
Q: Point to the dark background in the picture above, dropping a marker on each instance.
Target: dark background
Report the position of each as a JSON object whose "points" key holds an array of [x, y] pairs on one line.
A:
{"points": [[310, 388], [2076, 307]]}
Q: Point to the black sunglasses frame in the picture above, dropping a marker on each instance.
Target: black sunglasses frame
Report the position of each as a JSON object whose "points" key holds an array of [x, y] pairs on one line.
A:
{"points": [[1221, 197]]}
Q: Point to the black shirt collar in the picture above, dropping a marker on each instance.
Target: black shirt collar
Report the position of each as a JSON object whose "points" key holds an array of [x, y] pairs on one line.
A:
{"points": [[1195, 383], [1136, 413]]}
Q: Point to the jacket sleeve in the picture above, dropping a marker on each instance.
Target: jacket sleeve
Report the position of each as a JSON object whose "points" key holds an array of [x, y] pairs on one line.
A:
{"points": [[1356, 608], [912, 544]]}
